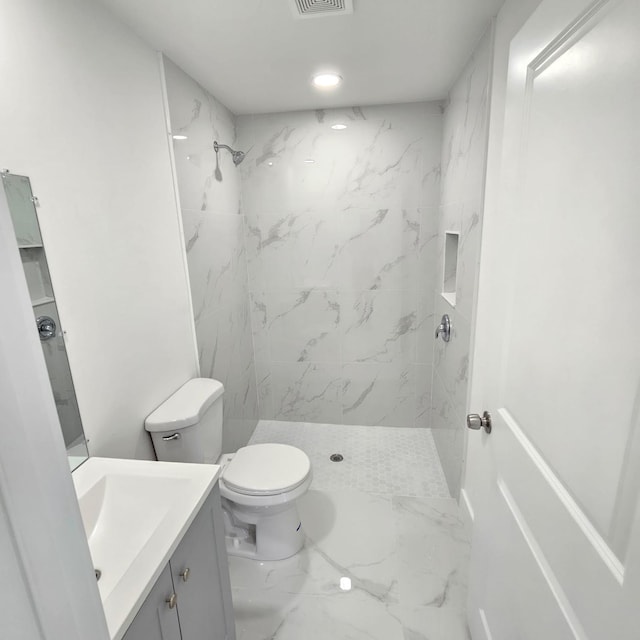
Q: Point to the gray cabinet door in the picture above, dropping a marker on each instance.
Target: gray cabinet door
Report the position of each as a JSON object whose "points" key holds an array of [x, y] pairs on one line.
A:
{"points": [[204, 606], [155, 620]]}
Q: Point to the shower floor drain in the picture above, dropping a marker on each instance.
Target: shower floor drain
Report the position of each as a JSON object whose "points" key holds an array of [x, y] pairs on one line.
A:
{"points": [[336, 457]]}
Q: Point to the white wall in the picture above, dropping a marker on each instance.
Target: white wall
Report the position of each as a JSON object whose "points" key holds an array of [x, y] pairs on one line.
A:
{"points": [[82, 115]]}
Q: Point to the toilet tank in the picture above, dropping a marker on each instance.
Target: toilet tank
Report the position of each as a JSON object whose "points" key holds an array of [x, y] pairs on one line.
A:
{"points": [[187, 426]]}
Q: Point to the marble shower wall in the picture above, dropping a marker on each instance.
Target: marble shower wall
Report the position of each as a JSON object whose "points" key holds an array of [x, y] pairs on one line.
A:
{"points": [[464, 157], [213, 223], [341, 246]]}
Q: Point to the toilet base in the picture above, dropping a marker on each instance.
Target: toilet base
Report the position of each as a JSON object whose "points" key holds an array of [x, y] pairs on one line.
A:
{"points": [[264, 533]]}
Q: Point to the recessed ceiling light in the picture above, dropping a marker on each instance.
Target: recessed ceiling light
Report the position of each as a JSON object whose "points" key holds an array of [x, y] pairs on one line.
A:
{"points": [[309, 161], [270, 164], [338, 127], [179, 136], [326, 80]]}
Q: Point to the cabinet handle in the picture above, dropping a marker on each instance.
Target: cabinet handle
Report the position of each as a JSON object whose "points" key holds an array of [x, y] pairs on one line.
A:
{"points": [[185, 574], [172, 600]]}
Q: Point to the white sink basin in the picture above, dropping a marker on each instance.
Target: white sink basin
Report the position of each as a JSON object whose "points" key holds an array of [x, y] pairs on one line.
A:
{"points": [[135, 513]]}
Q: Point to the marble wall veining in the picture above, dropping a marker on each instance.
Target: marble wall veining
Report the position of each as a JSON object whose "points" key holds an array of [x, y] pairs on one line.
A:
{"points": [[210, 201], [464, 156], [341, 246]]}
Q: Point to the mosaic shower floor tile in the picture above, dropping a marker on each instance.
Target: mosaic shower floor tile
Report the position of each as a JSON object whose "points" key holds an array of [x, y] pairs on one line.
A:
{"points": [[383, 460]]}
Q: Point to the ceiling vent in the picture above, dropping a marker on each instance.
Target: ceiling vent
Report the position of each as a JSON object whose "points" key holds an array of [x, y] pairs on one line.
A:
{"points": [[319, 8]]}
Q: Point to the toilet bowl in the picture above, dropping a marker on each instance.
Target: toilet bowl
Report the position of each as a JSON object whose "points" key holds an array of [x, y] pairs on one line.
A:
{"points": [[259, 483], [259, 487]]}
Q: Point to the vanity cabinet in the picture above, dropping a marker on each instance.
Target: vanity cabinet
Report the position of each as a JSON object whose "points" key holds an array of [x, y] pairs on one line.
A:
{"points": [[197, 577], [155, 620]]}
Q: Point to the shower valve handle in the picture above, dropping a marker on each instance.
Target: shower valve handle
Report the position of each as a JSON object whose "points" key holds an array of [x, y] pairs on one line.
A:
{"points": [[444, 329]]}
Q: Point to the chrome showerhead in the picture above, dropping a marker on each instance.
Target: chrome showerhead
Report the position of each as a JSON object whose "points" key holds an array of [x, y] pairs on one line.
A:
{"points": [[238, 156]]}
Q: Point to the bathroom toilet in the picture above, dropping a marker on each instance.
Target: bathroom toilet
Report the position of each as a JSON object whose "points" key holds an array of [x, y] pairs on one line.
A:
{"points": [[259, 483]]}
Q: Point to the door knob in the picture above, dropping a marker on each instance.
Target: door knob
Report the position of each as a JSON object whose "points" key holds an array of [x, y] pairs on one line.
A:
{"points": [[476, 421], [444, 329]]}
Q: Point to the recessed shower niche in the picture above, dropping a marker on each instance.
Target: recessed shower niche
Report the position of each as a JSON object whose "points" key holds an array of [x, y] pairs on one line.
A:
{"points": [[450, 271]]}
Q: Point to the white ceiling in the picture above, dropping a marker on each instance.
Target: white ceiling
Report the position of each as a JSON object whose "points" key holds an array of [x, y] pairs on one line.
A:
{"points": [[256, 57]]}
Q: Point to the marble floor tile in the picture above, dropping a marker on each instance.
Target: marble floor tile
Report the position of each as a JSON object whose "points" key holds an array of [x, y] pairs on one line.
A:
{"points": [[376, 564], [433, 553], [430, 623], [273, 615], [338, 545]]}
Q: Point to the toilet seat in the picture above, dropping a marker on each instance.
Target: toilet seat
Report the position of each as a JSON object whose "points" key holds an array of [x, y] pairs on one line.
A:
{"points": [[266, 470]]}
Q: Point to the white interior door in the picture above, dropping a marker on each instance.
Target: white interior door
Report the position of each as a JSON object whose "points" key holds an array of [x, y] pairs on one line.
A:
{"points": [[556, 546]]}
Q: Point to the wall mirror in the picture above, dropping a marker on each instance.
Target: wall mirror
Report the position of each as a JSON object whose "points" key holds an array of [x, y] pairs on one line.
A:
{"points": [[46, 320]]}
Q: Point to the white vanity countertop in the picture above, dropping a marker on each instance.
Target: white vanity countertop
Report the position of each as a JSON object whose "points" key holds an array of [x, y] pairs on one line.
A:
{"points": [[135, 513]]}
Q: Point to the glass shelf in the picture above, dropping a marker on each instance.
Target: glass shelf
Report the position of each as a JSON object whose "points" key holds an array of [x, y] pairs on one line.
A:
{"points": [[40, 301]]}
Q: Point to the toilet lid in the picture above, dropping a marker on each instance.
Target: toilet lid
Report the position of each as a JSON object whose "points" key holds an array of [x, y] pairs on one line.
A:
{"points": [[266, 469]]}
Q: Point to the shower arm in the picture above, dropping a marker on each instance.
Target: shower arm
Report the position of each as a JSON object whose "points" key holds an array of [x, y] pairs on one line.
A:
{"points": [[238, 156]]}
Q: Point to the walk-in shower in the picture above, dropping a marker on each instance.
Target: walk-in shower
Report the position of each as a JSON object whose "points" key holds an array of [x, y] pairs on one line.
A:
{"points": [[238, 156]]}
